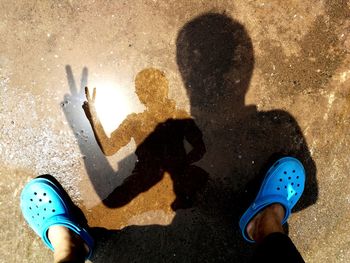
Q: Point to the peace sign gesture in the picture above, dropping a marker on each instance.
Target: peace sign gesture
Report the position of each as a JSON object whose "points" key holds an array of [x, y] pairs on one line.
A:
{"points": [[88, 97], [89, 104]]}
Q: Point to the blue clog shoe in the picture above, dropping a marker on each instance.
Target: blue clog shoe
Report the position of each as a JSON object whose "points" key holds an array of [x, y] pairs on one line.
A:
{"points": [[43, 205], [284, 184]]}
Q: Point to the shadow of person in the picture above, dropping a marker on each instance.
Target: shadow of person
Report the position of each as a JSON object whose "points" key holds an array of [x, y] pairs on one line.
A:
{"points": [[216, 59], [159, 133]]}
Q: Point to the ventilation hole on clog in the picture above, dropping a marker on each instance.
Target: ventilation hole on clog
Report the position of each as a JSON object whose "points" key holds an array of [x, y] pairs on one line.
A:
{"points": [[285, 187], [31, 199], [35, 193], [293, 171], [43, 217], [40, 200], [53, 210], [289, 178], [30, 208], [37, 206], [296, 193], [280, 179], [32, 216], [50, 201], [44, 209], [298, 177], [298, 185], [37, 214], [291, 191], [44, 194], [285, 172], [292, 183], [278, 188]]}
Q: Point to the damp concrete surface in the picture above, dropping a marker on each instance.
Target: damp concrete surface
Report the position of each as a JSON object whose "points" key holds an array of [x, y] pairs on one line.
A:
{"points": [[193, 100]]}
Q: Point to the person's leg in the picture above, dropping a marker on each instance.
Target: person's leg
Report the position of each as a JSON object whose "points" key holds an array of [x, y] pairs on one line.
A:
{"points": [[268, 221], [68, 247], [273, 245]]}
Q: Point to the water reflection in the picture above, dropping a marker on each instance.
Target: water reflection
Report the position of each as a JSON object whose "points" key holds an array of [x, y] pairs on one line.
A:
{"points": [[159, 133]]}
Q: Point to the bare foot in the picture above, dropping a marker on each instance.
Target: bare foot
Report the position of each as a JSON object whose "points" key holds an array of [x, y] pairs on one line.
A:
{"points": [[268, 221]]}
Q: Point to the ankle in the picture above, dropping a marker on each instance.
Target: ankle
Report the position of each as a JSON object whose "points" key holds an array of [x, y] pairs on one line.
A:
{"points": [[67, 245], [268, 221]]}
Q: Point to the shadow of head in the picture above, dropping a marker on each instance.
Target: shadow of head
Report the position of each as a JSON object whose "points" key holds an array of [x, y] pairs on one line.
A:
{"points": [[213, 49], [151, 87]]}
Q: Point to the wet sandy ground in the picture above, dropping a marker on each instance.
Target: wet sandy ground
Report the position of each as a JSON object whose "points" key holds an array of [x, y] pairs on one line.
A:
{"points": [[249, 80]]}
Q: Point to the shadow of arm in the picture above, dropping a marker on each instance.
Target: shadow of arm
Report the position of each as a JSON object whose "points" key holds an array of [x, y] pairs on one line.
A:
{"points": [[195, 137]]}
